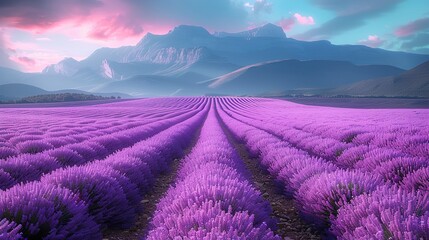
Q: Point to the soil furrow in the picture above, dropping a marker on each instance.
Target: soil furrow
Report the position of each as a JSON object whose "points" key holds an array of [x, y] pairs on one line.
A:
{"points": [[290, 225], [151, 199]]}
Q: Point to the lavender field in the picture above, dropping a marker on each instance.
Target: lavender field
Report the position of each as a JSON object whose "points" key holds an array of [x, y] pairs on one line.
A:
{"points": [[213, 168]]}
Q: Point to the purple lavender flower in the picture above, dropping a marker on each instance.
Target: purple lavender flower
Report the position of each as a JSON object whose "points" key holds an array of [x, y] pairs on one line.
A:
{"points": [[66, 157], [137, 171], [103, 194], [27, 167], [6, 152], [9, 230], [418, 180], [33, 146], [6, 181], [321, 196], [47, 212], [210, 221], [398, 168], [387, 213], [301, 174]]}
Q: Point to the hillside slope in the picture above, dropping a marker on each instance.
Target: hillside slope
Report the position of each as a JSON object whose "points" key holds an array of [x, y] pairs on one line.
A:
{"points": [[277, 76], [414, 82]]}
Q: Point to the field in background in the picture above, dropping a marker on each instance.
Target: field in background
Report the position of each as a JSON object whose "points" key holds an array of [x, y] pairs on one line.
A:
{"points": [[204, 167], [367, 103]]}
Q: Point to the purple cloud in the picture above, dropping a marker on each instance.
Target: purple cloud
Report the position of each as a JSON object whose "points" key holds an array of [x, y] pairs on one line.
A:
{"points": [[412, 27], [414, 36], [26, 61], [39, 15], [117, 19]]}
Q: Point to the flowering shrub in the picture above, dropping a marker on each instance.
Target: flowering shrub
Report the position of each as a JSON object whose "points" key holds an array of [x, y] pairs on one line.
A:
{"points": [[48, 212], [212, 196], [210, 221], [418, 180], [103, 194], [321, 196], [396, 169], [6, 181], [27, 167], [66, 157], [33, 146], [388, 212], [6, 152]]}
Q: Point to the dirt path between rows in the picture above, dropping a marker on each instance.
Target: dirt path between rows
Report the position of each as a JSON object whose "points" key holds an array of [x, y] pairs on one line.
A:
{"points": [[149, 202], [290, 225]]}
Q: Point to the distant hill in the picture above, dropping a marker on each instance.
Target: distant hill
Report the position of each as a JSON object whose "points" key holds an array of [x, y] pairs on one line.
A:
{"points": [[16, 91], [414, 82], [61, 97], [279, 76]]}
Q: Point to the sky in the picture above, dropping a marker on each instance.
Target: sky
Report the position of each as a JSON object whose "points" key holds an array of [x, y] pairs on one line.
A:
{"points": [[36, 33]]}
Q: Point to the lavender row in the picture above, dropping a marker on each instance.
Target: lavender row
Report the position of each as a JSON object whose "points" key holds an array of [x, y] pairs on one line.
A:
{"points": [[341, 128], [352, 204], [212, 197], [323, 147], [97, 117], [32, 144], [30, 167], [371, 158], [391, 164], [63, 136], [384, 162], [80, 202]]}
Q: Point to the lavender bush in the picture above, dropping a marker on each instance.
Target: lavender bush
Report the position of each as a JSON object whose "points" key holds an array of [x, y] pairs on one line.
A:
{"points": [[387, 213], [103, 194], [44, 211], [322, 196]]}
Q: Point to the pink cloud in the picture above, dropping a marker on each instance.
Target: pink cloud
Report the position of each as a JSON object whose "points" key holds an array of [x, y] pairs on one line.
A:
{"points": [[26, 61], [135, 16], [372, 41], [286, 23], [38, 17], [29, 57], [35, 61], [303, 20], [412, 27], [117, 27], [5, 52], [290, 22]]}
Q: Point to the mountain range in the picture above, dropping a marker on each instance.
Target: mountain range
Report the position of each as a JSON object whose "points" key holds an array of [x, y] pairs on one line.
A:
{"points": [[191, 61]]}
